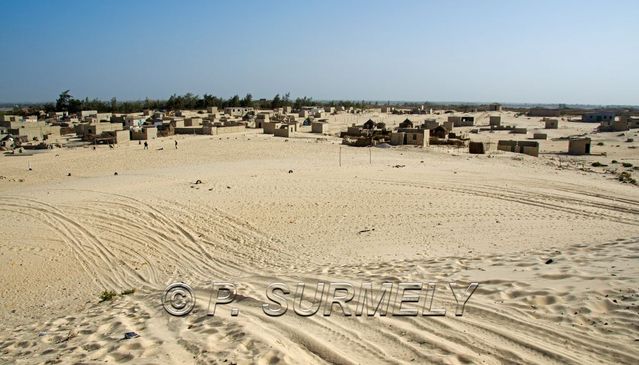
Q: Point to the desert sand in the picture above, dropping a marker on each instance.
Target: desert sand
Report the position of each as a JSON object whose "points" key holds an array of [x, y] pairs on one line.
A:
{"points": [[274, 210]]}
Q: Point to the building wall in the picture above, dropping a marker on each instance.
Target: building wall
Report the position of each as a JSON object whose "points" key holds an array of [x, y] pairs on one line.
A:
{"points": [[270, 127], [542, 112], [317, 127], [397, 138], [614, 126], [448, 125], [551, 124], [597, 117], [122, 136], [579, 146], [282, 132], [430, 124], [230, 129], [530, 148]]}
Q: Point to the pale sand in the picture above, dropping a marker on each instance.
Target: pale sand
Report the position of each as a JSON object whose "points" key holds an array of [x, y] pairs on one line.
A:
{"points": [[445, 216]]}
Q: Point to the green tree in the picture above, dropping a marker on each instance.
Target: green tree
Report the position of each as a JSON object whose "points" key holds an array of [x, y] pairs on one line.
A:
{"points": [[62, 104], [247, 101], [234, 101], [276, 102]]}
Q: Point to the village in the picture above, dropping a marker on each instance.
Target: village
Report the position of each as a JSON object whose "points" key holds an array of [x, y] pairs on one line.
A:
{"points": [[481, 129]]}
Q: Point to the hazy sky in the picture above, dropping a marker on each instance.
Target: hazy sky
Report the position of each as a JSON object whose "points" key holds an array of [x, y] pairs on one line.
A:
{"points": [[551, 51]]}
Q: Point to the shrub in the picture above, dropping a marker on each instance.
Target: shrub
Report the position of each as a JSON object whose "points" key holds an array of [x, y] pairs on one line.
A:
{"points": [[598, 164], [128, 292], [626, 177], [626, 164], [107, 295]]}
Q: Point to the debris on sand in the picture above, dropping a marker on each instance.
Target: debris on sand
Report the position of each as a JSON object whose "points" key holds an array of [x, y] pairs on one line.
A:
{"points": [[549, 261], [130, 335], [290, 171], [198, 182], [72, 333], [398, 166]]}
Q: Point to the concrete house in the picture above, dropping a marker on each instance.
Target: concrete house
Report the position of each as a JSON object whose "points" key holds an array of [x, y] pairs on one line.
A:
{"points": [[633, 121], [430, 124], [543, 112], [597, 117], [103, 117], [87, 113], [530, 148], [193, 122], [260, 119], [494, 107], [270, 127], [579, 146], [616, 125], [477, 148], [285, 130], [551, 123], [319, 127], [406, 124], [439, 132], [134, 121], [237, 111], [369, 124], [147, 133], [410, 136], [461, 121]]}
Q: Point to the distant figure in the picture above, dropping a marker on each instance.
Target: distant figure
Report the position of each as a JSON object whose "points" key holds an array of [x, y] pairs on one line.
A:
{"points": [[176, 145], [146, 145]]}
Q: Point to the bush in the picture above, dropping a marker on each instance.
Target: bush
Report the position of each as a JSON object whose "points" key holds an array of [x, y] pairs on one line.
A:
{"points": [[128, 292], [630, 140], [598, 164], [626, 164], [107, 295], [615, 161], [626, 177], [600, 144]]}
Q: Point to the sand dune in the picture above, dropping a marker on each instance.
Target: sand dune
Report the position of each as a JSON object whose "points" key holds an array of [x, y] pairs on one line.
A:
{"points": [[445, 216]]}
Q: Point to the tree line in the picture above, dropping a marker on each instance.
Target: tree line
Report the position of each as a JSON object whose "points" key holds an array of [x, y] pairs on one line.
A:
{"points": [[68, 103]]}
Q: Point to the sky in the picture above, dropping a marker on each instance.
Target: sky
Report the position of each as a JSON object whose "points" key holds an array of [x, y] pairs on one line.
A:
{"points": [[510, 51]]}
